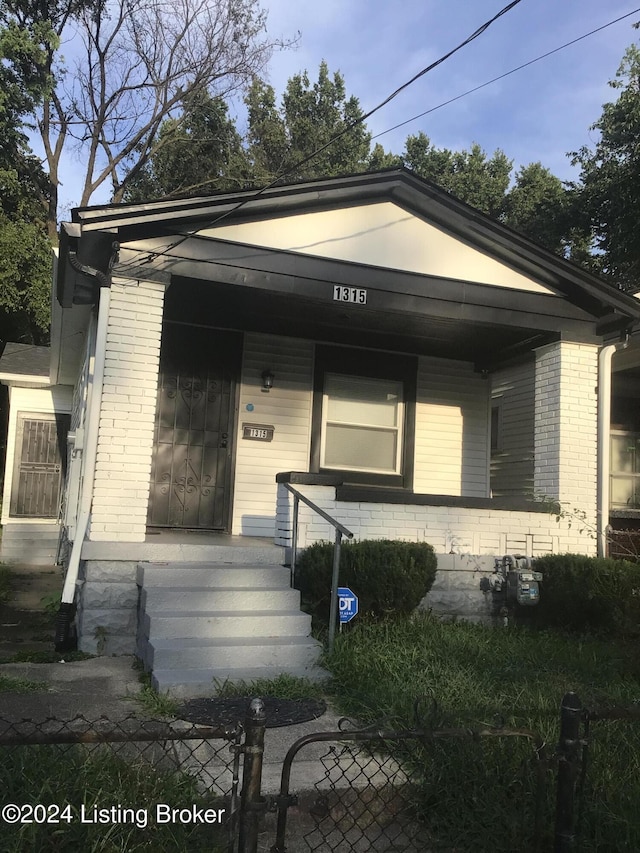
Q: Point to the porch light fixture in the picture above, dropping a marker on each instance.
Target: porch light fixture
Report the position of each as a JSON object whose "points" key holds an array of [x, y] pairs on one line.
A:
{"points": [[267, 380]]}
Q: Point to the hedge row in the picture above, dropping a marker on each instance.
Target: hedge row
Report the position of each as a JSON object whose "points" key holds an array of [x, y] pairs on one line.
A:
{"points": [[589, 594]]}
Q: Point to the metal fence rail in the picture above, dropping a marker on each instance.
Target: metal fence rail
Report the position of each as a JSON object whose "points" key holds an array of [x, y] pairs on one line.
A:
{"points": [[49, 767]]}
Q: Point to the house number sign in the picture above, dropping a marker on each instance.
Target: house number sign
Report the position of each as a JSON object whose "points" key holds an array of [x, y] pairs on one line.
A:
{"points": [[357, 295], [257, 432]]}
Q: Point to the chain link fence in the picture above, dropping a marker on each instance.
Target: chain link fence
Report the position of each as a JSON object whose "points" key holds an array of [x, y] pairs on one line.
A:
{"points": [[134, 785], [131, 785], [375, 792]]}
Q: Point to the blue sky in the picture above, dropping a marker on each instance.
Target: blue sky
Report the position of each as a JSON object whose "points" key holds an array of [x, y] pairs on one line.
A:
{"points": [[539, 113]]}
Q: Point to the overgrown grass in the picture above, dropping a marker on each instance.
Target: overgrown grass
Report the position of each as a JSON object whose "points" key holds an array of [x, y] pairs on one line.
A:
{"points": [[11, 684], [5, 582], [156, 705], [478, 794], [282, 687], [98, 779], [43, 656]]}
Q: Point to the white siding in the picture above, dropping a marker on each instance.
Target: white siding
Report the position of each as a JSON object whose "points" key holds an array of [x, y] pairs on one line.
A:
{"points": [[287, 407], [381, 234], [512, 464], [125, 437], [451, 451]]}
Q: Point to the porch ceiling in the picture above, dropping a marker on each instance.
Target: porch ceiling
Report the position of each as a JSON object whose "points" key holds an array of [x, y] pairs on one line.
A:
{"points": [[486, 344]]}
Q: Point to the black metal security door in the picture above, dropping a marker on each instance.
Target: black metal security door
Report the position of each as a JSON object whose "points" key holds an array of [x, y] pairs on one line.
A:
{"points": [[191, 471], [41, 445]]}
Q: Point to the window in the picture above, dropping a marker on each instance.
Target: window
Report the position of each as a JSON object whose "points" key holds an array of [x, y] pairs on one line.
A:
{"points": [[362, 424], [496, 427], [364, 415], [625, 470]]}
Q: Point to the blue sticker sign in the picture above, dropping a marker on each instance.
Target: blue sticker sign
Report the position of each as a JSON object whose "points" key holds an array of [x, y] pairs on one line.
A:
{"points": [[347, 604]]}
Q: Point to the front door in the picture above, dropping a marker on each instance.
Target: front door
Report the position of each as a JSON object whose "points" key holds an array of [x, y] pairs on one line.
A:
{"points": [[41, 449], [191, 471]]}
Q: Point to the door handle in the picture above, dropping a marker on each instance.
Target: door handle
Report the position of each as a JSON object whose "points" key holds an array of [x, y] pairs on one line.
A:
{"points": [[223, 442]]}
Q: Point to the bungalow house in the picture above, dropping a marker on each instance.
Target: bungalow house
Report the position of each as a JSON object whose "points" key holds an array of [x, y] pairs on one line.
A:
{"points": [[624, 468], [413, 368]]}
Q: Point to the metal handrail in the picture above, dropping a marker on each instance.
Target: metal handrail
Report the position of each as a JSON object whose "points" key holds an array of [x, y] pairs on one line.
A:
{"points": [[341, 531]]}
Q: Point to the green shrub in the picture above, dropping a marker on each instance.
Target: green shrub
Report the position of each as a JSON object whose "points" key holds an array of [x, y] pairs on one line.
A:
{"points": [[589, 594], [389, 577]]}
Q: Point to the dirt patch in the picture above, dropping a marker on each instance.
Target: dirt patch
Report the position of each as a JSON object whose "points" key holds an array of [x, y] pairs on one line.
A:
{"points": [[25, 624], [95, 687]]}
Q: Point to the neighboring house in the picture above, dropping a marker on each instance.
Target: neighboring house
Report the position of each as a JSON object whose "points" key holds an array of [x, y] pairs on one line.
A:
{"points": [[624, 485], [36, 456], [416, 369]]}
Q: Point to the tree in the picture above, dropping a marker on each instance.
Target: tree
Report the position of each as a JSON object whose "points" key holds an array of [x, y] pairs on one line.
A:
{"points": [[609, 185], [198, 153], [280, 140], [538, 205], [25, 251], [468, 175], [141, 61], [381, 159]]}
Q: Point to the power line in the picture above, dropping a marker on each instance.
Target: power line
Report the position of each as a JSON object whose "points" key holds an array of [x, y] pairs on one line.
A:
{"points": [[481, 29], [506, 74]]}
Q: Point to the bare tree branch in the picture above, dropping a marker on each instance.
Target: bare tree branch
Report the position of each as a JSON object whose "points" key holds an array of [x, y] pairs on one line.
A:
{"points": [[141, 59]]}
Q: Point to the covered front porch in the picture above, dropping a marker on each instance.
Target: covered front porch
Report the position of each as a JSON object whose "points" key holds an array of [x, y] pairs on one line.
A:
{"points": [[421, 371]]}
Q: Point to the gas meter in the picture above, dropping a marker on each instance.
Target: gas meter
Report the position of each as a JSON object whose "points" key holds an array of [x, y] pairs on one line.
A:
{"points": [[514, 582]]}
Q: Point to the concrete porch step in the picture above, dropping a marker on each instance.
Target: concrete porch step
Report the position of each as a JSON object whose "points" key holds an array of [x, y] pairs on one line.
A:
{"points": [[158, 600], [238, 652], [207, 621], [213, 575], [235, 623]]}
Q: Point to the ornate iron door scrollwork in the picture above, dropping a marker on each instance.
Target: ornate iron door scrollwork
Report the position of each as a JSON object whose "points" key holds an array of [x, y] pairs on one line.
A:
{"points": [[190, 481]]}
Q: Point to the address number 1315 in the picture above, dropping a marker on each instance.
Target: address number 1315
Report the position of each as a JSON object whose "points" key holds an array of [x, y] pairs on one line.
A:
{"points": [[358, 295]]}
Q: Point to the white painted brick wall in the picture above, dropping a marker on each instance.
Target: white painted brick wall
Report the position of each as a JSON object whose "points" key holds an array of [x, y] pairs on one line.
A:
{"points": [[458, 530], [565, 466], [125, 437]]}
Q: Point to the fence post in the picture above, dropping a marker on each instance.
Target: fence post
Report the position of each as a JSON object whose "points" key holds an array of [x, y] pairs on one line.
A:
{"points": [[251, 802], [569, 761]]}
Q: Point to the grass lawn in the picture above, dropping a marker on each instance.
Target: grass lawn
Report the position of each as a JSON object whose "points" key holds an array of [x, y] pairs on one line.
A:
{"points": [[74, 785], [478, 794]]}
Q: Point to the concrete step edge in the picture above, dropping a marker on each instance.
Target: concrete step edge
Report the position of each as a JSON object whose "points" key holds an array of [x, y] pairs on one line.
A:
{"points": [[186, 643]]}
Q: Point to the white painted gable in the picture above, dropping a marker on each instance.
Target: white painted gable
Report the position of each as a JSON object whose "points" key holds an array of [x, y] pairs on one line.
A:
{"points": [[382, 235]]}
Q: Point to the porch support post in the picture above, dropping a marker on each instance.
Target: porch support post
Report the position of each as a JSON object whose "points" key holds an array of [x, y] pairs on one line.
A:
{"points": [[127, 416], [565, 464]]}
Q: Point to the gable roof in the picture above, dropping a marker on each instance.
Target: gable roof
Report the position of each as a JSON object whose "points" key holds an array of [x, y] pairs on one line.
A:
{"points": [[158, 235]]}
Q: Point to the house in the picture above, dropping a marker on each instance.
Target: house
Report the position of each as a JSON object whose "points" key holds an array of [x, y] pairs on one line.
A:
{"points": [[36, 455], [624, 468], [415, 369]]}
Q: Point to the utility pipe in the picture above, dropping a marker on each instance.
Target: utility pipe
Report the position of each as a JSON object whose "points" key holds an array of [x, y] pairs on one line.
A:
{"points": [[90, 446], [604, 440]]}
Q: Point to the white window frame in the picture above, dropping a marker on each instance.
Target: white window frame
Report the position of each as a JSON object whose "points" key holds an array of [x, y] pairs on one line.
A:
{"points": [[398, 429]]}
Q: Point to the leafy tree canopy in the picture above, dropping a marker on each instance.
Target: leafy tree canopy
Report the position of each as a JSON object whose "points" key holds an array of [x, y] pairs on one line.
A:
{"points": [[469, 175], [609, 186], [281, 139], [25, 250], [199, 153]]}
